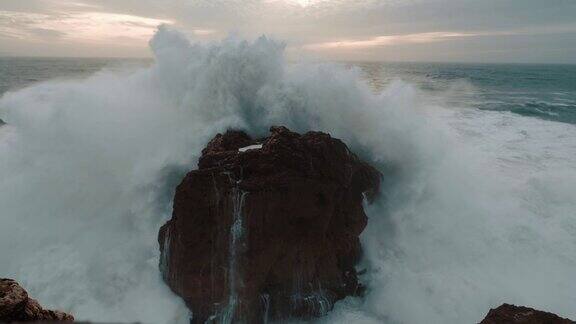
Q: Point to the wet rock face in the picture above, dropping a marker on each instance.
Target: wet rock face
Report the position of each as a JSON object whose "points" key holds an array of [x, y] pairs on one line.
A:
{"points": [[267, 229], [15, 306], [507, 314]]}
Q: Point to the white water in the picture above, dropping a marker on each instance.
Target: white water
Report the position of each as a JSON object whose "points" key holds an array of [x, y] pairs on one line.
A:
{"points": [[478, 209], [237, 231], [250, 147]]}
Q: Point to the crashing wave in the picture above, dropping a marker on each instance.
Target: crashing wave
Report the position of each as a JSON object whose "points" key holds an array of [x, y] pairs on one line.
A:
{"points": [[470, 219]]}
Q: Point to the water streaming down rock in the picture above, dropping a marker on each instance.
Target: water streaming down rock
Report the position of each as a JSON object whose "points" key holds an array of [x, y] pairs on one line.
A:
{"points": [[268, 229], [266, 304], [234, 273]]}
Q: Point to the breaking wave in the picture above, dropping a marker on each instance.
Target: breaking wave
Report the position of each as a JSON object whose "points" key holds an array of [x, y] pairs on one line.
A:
{"points": [[478, 207]]}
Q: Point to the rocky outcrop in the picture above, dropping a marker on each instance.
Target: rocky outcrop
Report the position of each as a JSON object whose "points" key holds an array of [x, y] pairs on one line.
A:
{"points": [[267, 228], [16, 306], [508, 314]]}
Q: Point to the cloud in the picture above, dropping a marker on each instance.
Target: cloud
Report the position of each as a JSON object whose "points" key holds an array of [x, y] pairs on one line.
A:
{"points": [[46, 33], [76, 26], [359, 28], [389, 40]]}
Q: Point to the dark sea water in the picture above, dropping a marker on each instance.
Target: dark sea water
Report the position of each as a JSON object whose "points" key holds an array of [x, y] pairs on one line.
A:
{"points": [[543, 91]]}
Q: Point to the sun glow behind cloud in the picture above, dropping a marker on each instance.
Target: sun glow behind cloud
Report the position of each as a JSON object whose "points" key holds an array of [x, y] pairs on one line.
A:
{"points": [[304, 3], [301, 3]]}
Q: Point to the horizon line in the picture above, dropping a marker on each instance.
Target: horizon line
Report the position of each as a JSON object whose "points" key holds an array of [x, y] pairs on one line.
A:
{"points": [[292, 60]]}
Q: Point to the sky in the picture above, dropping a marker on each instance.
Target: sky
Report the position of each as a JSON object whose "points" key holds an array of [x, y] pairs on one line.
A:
{"points": [[516, 31]]}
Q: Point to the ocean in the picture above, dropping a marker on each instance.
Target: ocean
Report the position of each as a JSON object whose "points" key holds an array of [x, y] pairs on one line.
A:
{"points": [[19, 72], [536, 90], [478, 206]]}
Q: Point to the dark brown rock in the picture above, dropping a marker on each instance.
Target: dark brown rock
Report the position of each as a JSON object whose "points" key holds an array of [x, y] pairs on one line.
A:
{"points": [[16, 306], [508, 314], [270, 232]]}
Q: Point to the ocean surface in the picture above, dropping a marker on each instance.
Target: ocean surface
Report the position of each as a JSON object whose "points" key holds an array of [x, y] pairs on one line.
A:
{"points": [[19, 72], [536, 90], [478, 206], [543, 91]]}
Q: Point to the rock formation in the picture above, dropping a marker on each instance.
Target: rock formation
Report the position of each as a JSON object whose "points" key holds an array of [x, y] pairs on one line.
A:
{"points": [[16, 306], [267, 228], [508, 314]]}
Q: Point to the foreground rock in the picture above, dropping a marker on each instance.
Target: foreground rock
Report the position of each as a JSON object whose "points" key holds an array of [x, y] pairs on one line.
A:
{"points": [[16, 306], [507, 314], [267, 229]]}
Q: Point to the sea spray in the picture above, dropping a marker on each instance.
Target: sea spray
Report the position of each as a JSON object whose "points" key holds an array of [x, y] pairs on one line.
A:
{"points": [[477, 208]]}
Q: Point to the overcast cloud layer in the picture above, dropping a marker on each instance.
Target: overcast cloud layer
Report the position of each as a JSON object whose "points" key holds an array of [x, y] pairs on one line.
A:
{"points": [[389, 30]]}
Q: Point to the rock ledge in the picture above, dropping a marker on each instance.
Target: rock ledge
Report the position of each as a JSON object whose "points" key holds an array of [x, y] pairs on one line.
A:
{"points": [[16, 306], [508, 314]]}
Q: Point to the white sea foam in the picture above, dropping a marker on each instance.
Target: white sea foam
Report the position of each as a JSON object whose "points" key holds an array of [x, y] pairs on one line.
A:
{"points": [[250, 147], [478, 207]]}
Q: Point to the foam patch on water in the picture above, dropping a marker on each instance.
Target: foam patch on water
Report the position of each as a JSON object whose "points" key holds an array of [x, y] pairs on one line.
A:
{"points": [[477, 209]]}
